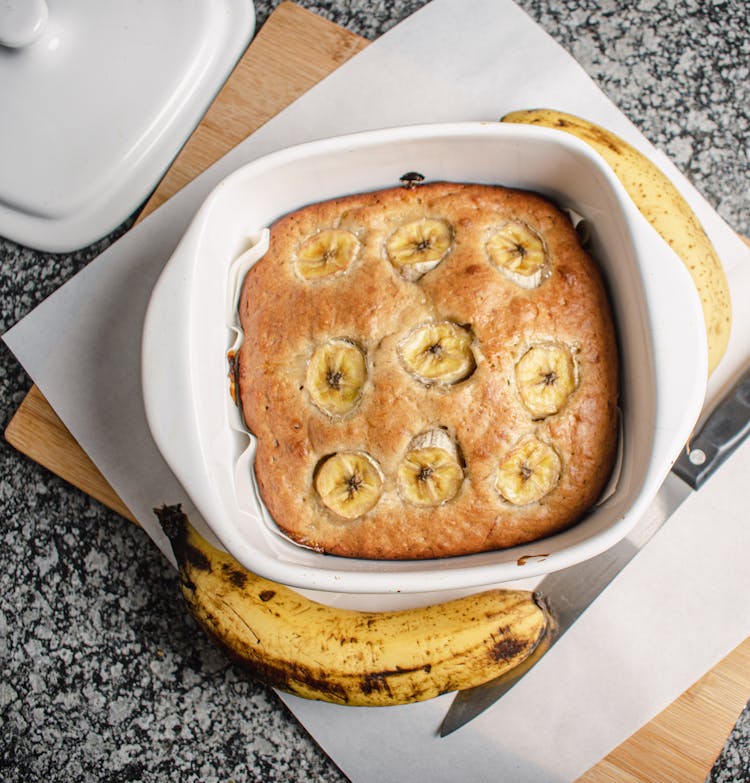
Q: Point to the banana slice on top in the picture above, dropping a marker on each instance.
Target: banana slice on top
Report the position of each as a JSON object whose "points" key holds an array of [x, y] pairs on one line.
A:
{"points": [[519, 253], [545, 378], [349, 483], [528, 472], [326, 253], [417, 247], [438, 352], [336, 374], [430, 473]]}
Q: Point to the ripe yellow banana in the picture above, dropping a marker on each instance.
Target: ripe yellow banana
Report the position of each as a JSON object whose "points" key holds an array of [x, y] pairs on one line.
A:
{"points": [[347, 656], [664, 207]]}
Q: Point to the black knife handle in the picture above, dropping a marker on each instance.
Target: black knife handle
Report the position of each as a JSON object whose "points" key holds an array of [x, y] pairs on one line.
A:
{"points": [[722, 433]]}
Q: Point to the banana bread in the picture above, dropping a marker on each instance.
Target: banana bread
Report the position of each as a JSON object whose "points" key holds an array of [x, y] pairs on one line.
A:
{"points": [[429, 371]]}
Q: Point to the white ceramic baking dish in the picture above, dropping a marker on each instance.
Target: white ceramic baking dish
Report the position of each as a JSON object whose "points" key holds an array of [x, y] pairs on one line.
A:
{"points": [[188, 333]]}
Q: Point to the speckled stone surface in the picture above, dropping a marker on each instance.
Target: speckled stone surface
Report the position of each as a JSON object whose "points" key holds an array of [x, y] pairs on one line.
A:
{"points": [[103, 677]]}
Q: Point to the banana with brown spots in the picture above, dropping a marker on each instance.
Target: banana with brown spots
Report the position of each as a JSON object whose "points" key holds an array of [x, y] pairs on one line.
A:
{"points": [[346, 656]]}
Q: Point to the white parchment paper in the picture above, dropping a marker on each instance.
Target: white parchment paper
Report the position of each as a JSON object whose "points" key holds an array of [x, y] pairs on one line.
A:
{"points": [[637, 648]]}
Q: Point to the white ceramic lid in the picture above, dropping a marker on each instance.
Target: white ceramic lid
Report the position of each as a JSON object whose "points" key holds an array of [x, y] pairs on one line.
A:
{"points": [[97, 103]]}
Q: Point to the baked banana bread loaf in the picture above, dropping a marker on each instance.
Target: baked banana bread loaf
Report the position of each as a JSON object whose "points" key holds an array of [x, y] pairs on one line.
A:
{"points": [[429, 371]]}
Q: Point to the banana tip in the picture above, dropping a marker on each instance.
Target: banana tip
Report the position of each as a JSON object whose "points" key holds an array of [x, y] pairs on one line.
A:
{"points": [[173, 522]]}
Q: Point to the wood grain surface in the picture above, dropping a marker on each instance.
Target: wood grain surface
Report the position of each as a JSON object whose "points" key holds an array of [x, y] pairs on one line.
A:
{"points": [[294, 50]]}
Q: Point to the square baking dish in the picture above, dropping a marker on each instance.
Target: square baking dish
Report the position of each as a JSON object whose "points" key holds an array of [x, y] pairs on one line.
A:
{"points": [[190, 328]]}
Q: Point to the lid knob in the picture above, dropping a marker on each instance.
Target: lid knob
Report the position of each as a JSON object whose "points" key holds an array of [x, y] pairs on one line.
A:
{"points": [[22, 22]]}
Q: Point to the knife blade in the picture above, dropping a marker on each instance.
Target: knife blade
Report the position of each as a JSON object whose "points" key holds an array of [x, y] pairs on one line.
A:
{"points": [[570, 591]]}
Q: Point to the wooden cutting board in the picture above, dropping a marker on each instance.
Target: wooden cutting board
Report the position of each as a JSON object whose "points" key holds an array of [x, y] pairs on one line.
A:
{"points": [[293, 51]]}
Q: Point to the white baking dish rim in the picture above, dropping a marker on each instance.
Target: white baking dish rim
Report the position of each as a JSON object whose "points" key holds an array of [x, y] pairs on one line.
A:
{"points": [[659, 321]]}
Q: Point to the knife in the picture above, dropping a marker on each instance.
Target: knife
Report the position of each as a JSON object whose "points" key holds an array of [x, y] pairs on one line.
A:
{"points": [[570, 591]]}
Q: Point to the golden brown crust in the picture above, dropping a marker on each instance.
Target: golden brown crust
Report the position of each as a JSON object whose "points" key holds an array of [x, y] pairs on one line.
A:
{"points": [[284, 318]]}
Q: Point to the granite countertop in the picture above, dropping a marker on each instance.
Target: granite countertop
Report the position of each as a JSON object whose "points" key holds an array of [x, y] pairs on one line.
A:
{"points": [[104, 676]]}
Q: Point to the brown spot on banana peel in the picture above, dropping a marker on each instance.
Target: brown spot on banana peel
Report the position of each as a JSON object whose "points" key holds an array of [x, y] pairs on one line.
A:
{"points": [[379, 682], [544, 643], [507, 646], [235, 575]]}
